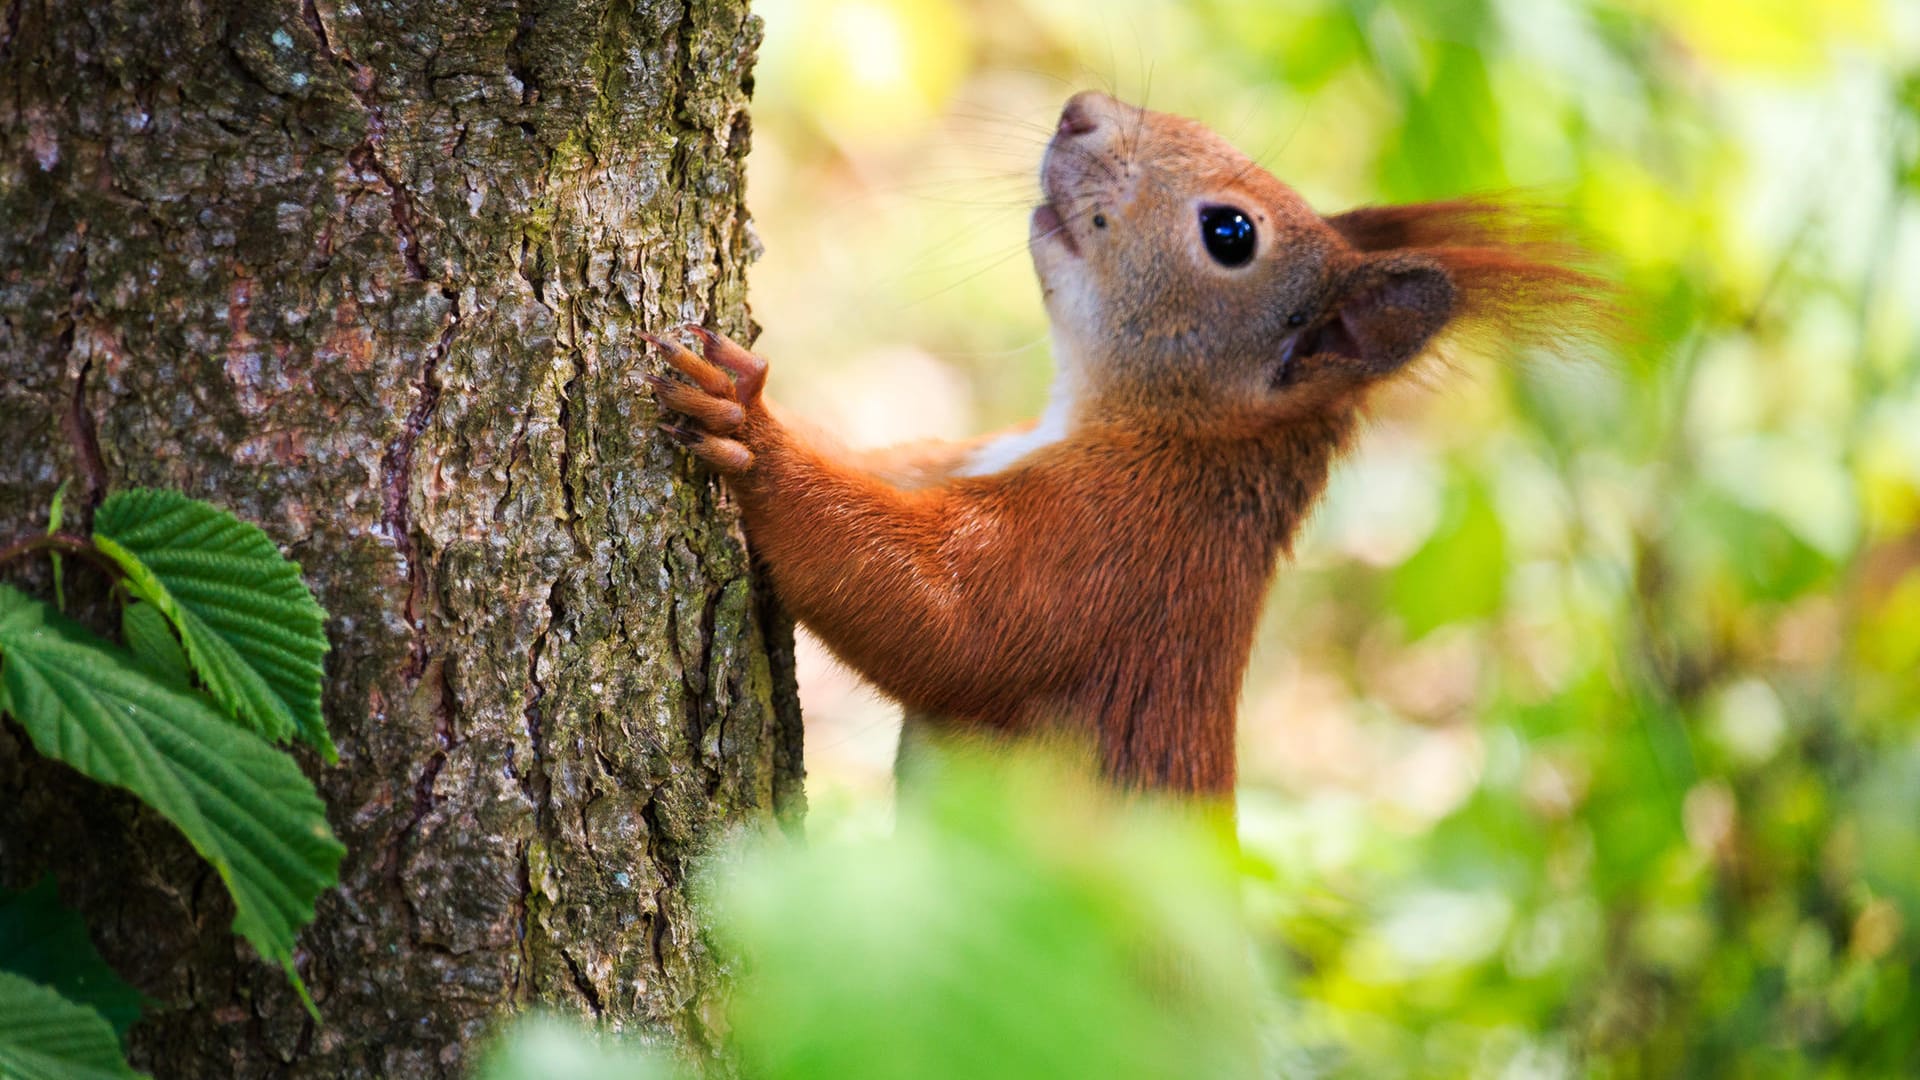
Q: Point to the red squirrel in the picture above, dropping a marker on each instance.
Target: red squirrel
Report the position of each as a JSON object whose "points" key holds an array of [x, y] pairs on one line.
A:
{"points": [[1097, 575]]}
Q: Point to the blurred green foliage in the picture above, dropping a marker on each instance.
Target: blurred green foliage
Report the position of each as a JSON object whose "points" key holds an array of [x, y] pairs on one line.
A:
{"points": [[1582, 738], [1020, 922]]}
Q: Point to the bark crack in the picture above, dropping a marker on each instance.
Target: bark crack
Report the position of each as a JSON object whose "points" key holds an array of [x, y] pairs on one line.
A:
{"points": [[423, 796], [716, 723], [565, 421], [522, 914], [530, 266], [583, 984], [696, 671], [684, 160], [311, 13], [683, 86], [365, 158], [78, 420], [533, 781], [669, 870], [396, 468], [85, 436], [517, 62], [516, 447]]}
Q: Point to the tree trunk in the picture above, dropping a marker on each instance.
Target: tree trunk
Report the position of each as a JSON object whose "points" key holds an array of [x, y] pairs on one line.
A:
{"points": [[369, 273]]}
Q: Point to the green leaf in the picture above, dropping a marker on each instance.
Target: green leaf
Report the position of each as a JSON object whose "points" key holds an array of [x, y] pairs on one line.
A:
{"points": [[251, 629], [243, 805], [47, 943], [151, 640], [43, 1036]]}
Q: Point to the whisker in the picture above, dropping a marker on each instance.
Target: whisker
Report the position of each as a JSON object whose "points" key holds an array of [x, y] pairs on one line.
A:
{"points": [[1065, 220], [993, 354]]}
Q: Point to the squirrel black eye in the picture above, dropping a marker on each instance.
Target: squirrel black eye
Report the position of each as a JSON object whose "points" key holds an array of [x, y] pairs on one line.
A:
{"points": [[1228, 234], [1296, 319], [1099, 221]]}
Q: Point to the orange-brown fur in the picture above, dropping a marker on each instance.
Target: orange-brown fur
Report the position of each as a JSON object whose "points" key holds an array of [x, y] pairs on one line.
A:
{"points": [[1105, 585]]}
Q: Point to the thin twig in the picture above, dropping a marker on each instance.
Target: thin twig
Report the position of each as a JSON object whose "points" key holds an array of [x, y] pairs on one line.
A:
{"points": [[64, 543]]}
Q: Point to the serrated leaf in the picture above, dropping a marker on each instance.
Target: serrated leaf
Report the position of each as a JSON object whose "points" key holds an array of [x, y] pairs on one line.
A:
{"points": [[42, 941], [244, 805], [43, 1036], [151, 640], [252, 631]]}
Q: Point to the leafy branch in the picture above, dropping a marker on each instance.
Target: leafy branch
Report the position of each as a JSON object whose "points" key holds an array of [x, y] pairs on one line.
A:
{"points": [[222, 659]]}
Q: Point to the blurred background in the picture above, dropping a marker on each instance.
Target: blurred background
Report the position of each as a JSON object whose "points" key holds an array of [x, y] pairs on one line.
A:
{"points": [[1585, 728]]}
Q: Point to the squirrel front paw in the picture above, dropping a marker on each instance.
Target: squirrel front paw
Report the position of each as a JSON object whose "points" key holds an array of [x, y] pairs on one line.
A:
{"points": [[721, 399]]}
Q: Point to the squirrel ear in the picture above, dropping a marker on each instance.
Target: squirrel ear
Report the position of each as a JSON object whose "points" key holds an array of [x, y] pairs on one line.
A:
{"points": [[1390, 309]]}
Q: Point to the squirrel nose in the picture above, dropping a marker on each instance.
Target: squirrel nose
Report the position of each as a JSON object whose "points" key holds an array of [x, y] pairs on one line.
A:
{"points": [[1078, 117]]}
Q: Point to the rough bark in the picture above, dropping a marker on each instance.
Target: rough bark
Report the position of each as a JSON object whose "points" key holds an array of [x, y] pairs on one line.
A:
{"points": [[368, 273]]}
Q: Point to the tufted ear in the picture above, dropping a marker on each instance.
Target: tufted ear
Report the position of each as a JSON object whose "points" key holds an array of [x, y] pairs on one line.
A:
{"points": [[1391, 306]]}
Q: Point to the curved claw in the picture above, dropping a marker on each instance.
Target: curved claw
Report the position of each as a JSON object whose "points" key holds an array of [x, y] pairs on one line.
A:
{"points": [[717, 414], [749, 371], [704, 375], [725, 455]]}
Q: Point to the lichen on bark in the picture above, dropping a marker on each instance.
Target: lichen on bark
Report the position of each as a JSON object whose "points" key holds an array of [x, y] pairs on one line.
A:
{"points": [[370, 275]]}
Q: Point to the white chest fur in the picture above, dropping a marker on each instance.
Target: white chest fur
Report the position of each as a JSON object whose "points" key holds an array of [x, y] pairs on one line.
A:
{"points": [[1005, 451], [1055, 424]]}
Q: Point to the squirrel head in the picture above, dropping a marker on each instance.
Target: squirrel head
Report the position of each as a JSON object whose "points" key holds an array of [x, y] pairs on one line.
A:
{"points": [[1176, 271]]}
